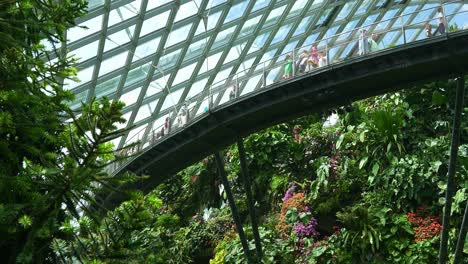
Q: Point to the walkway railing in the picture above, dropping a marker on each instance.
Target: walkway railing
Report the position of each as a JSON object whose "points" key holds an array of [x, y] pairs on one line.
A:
{"points": [[362, 41]]}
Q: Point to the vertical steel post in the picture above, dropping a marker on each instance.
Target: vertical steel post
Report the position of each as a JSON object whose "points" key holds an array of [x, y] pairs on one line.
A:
{"points": [[461, 237], [264, 75], [236, 92], [327, 53], [403, 30], [452, 167], [232, 204], [210, 100], [293, 63], [250, 202]]}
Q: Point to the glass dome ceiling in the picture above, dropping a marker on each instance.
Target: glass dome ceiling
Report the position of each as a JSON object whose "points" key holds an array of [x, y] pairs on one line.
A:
{"points": [[153, 54]]}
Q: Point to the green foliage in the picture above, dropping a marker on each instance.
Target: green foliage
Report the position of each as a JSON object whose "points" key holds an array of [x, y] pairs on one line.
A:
{"points": [[138, 231], [50, 168], [409, 179], [275, 249], [363, 227], [278, 185]]}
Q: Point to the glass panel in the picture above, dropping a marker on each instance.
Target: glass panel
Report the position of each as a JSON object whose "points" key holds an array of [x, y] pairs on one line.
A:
{"points": [[245, 65], [268, 55], [119, 38], [222, 75], [124, 12], [178, 35], [299, 5], [145, 49], [260, 4], [331, 31], [156, 3], [137, 74], [86, 52], [113, 63], [156, 86], [197, 88], [346, 10], [281, 34], [317, 4], [93, 25], [309, 40], [94, 3], [273, 16], [130, 97], [233, 54], [154, 23], [214, 3], [362, 8], [223, 37], [249, 26], [380, 3], [186, 10], [236, 11], [184, 74], [108, 87], [387, 18], [143, 112], [195, 49], [210, 62], [168, 60], [290, 47], [303, 26], [171, 99], [259, 42], [348, 30], [324, 16]]}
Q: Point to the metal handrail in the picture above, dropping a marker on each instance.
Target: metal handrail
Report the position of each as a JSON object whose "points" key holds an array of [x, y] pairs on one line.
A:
{"points": [[206, 97]]}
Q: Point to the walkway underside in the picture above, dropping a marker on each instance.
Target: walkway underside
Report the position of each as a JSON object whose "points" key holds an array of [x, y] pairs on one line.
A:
{"points": [[332, 86]]}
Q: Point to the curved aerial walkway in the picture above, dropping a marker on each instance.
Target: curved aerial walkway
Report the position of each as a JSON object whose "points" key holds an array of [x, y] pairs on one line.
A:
{"points": [[231, 113]]}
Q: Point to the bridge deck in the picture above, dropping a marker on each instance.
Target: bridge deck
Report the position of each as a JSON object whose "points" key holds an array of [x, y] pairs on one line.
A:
{"points": [[331, 86]]}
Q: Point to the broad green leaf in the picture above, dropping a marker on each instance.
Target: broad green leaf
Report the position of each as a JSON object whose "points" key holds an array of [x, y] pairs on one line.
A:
{"points": [[375, 169], [363, 162], [340, 141], [362, 136]]}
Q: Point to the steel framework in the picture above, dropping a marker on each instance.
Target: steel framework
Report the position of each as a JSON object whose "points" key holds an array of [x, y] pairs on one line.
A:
{"points": [[155, 54]]}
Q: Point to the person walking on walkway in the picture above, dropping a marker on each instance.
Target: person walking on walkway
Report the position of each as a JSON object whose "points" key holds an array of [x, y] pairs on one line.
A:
{"points": [[428, 28], [302, 61], [232, 93], [313, 58], [288, 64], [441, 18], [363, 42], [373, 43]]}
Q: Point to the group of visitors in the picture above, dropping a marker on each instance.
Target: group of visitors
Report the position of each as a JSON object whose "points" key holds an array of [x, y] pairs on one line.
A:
{"points": [[182, 119], [366, 44], [306, 61], [310, 59], [440, 30]]}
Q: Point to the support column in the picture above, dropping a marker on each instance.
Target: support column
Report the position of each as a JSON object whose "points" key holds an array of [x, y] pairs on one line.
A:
{"points": [[250, 202], [452, 168], [461, 237], [230, 197]]}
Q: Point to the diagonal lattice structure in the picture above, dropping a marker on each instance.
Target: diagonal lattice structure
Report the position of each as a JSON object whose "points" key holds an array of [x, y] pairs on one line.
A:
{"points": [[156, 54]]}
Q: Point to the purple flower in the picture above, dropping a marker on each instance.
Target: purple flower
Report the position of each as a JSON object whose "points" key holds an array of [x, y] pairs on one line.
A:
{"points": [[289, 193], [308, 230]]}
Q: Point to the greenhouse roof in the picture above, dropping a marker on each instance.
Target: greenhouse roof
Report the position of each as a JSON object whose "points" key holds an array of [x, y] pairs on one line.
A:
{"points": [[155, 54]]}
